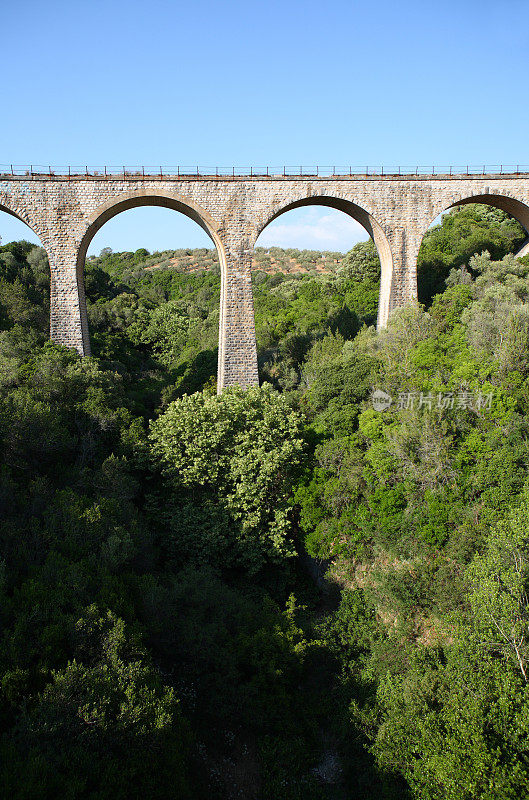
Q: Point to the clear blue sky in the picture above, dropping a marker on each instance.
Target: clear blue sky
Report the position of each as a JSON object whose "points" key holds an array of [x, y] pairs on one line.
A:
{"points": [[232, 83]]}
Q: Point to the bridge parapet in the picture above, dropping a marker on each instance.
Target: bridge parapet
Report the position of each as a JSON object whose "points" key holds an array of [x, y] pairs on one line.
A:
{"points": [[250, 173]]}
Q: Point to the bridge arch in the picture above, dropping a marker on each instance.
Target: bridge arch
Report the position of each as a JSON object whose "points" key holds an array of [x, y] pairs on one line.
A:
{"points": [[514, 207], [20, 244], [518, 209], [511, 205], [125, 201], [21, 216], [360, 215]]}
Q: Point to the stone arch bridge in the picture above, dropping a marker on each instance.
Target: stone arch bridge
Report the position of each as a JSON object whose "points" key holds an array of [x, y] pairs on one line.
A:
{"points": [[65, 212]]}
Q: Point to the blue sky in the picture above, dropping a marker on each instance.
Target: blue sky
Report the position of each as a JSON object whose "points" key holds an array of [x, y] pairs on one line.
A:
{"points": [[232, 83]]}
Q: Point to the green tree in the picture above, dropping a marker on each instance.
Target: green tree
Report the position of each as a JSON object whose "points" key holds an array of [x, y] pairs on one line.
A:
{"points": [[359, 279], [245, 447], [462, 232], [100, 725], [456, 723]]}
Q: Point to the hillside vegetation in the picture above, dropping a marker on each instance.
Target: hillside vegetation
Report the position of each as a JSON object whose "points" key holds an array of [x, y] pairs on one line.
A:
{"points": [[288, 592], [271, 259]]}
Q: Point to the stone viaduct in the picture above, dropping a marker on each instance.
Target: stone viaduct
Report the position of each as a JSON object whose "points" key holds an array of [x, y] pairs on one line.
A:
{"points": [[65, 211]]}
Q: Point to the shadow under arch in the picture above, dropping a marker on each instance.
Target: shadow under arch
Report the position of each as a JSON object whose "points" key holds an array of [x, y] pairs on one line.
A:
{"points": [[136, 199], [367, 221]]}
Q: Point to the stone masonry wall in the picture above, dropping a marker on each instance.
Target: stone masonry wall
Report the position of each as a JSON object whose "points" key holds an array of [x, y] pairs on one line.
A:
{"points": [[66, 213]]}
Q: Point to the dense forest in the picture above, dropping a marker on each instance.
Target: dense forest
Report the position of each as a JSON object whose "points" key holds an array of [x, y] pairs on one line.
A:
{"points": [[289, 592]]}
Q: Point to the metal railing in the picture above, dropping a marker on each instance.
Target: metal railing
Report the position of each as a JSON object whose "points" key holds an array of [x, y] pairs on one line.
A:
{"points": [[38, 170]]}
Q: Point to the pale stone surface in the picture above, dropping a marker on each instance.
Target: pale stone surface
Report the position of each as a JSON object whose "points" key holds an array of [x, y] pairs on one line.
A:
{"points": [[395, 210]]}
